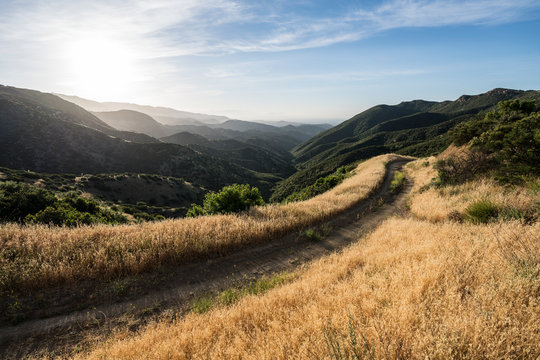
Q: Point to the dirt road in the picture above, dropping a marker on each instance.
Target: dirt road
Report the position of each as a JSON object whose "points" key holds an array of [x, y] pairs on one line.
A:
{"points": [[183, 283]]}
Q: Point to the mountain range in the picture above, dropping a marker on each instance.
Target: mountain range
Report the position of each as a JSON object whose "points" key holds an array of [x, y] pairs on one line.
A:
{"points": [[417, 128], [162, 114], [46, 133]]}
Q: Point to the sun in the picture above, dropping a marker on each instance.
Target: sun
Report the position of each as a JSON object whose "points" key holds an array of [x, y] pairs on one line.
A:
{"points": [[99, 66]]}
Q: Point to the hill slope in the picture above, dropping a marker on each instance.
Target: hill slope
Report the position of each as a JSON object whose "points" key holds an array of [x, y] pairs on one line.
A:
{"points": [[44, 133], [129, 120], [416, 128], [165, 115], [166, 122]]}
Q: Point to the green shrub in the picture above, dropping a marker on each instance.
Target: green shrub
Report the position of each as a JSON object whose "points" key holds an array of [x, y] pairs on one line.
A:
{"points": [[230, 296], [482, 212], [312, 234], [24, 203], [511, 134], [60, 215], [455, 170], [80, 204], [267, 283], [202, 305], [17, 200], [230, 199], [141, 205], [321, 185], [397, 182], [196, 210]]}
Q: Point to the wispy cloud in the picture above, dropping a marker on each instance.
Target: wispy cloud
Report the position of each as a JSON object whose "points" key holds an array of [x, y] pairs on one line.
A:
{"points": [[297, 32], [168, 28]]}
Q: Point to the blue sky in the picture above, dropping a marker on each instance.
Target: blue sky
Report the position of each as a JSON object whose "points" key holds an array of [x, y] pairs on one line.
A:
{"points": [[271, 60]]}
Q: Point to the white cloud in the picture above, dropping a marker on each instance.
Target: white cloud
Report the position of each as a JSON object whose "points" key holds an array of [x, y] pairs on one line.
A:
{"points": [[301, 33], [169, 28]]}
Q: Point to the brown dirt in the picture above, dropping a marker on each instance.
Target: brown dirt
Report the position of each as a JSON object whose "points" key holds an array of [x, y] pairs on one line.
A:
{"points": [[56, 327]]}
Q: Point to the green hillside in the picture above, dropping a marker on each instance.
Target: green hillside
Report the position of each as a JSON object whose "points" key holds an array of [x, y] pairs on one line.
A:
{"points": [[417, 128]]}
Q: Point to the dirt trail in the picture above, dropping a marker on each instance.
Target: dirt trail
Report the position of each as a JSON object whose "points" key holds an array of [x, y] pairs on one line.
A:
{"points": [[186, 281]]}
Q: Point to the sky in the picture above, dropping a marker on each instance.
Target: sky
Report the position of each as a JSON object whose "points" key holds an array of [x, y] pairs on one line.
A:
{"points": [[312, 61]]}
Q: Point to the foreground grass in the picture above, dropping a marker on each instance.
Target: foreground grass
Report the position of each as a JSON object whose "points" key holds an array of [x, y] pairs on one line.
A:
{"points": [[233, 295], [40, 256], [414, 288]]}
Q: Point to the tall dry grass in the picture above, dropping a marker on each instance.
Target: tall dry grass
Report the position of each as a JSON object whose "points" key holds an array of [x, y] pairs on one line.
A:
{"points": [[37, 256], [439, 204], [415, 289]]}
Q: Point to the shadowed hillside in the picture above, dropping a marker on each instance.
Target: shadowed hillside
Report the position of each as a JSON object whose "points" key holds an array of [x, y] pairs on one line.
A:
{"points": [[129, 120], [44, 133]]}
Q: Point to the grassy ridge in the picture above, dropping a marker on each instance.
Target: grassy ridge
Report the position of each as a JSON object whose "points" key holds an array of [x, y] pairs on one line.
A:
{"points": [[39, 256]]}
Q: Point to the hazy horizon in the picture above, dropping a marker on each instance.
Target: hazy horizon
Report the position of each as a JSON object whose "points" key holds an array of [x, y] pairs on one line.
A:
{"points": [[313, 61]]}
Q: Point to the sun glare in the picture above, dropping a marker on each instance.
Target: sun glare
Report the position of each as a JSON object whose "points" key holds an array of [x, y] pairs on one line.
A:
{"points": [[99, 66]]}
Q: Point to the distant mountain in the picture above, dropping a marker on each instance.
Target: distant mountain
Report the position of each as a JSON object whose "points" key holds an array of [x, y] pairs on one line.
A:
{"points": [[240, 125], [165, 115], [247, 154], [173, 121], [272, 138], [281, 123], [130, 120], [298, 131], [417, 128], [44, 133], [165, 122], [63, 110], [186, 138]]}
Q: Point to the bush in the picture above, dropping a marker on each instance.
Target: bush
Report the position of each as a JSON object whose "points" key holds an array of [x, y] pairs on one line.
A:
{"points": [[141, 205], [81, 204], [196, 210], [61, 215], [462, 167], [511, 134], [17, 200], [230, 199], [482, 212], [397, 182], [321, 185], [24, 203]]}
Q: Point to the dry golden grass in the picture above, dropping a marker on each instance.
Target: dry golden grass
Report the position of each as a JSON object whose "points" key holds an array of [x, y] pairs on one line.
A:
{"points": [[37, 256], [415, 289], [438, 204]]}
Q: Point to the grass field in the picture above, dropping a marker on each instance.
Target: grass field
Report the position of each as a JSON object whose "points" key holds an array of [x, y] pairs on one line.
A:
{"points": [[424, 285], [41, 256]]}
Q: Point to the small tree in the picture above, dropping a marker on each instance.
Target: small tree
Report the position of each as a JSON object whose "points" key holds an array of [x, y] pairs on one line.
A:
{"points": [[230, 199]]}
